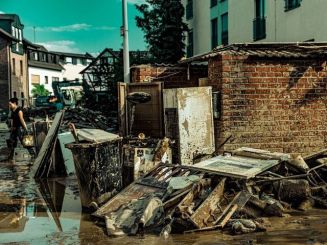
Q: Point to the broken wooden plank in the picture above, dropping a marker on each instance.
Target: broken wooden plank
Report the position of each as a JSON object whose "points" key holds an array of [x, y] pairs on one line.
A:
{"points": [[42, 163], [202, 214]]}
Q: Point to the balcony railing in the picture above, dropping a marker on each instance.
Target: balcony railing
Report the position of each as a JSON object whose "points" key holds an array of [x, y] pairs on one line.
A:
{"points": [[189, 10], [224, 37], [259, 28]]}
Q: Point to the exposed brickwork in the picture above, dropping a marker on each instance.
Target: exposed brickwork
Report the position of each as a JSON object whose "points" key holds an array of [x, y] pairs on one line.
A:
{"points": [[173, 77], [278, 105]]}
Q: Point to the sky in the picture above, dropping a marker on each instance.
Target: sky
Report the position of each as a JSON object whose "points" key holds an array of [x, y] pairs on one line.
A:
{"points": [[76, 25]]}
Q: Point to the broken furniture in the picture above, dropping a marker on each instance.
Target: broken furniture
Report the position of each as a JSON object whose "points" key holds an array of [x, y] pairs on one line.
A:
{"points": [[229, 192], [98, 166], [140, 156], [189, 121]]}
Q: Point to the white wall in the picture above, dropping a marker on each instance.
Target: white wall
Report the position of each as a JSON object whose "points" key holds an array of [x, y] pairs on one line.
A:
{"points": [[42, 73], [300, 24], [71, 71], [200, 23]]}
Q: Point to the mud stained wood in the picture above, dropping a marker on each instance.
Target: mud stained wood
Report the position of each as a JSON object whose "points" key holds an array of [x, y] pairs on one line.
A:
{"points": [[122, 109], [133, 191], [41, 163], [148, 117], [195, 130], [236, 166], [201, 217]]}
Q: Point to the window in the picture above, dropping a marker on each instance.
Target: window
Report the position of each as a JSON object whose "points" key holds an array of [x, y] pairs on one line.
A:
{"points": [[214, 33], [74, 61], [13, 66], [65, 79], [189, 9], [69, 60], [21, 68], [35, 79], [55, 79], [46, 79], [13, 31], [259, 22], [20, 35], [15, 94], [213, 3], [224, 29], [23, 98], [190, 44], [292, 4]]}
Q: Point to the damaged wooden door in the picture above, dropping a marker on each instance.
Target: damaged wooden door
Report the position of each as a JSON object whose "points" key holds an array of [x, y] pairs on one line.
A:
{"points": [[194, 129], [148, 117]]}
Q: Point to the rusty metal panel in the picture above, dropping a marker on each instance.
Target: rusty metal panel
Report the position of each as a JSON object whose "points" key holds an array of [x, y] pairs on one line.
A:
{"points": [[236, 166], [195, 121], [148, 117]]}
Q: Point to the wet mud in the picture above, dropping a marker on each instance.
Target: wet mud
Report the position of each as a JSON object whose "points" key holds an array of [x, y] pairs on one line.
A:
{"points": [[49, 212]]}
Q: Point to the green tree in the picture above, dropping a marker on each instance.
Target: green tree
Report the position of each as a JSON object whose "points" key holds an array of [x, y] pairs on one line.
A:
{"points": [[40, 90], [164, 29]]}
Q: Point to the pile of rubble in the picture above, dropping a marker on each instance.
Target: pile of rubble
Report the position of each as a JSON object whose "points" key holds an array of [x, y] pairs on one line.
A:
{"points": [[233, 192], [86, 118]]}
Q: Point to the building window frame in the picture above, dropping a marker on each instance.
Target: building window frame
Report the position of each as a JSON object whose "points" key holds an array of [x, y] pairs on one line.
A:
{"points": [[190, 43], [213, 3], [259, 22], [292, 4], [21, 67], [214, 33], [35, 79], [46, 80], [224, 29], [189, 9], [13, 66]]}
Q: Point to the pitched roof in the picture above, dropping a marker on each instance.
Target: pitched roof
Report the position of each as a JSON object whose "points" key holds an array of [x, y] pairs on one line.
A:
{"points": [[7, 35], [265, 50], [86, 55], [45, 65], [113, 53], [11, 17]]}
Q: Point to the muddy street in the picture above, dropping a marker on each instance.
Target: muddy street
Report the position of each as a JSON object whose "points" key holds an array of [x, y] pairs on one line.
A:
{"points": [[49, 212]]}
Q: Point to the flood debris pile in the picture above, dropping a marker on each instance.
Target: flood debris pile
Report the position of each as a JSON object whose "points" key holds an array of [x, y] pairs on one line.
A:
{"points": [[232, 193], [86, 118]]}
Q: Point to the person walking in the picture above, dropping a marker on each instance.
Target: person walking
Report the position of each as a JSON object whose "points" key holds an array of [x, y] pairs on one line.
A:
{"points": [[18, 129]]}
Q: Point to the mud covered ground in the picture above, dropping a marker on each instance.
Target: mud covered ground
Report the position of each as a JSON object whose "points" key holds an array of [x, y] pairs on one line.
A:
{"points": [[49, 212]]}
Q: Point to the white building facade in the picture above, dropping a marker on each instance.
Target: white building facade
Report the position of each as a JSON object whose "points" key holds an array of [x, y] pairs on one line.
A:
{"points": [[43, 68], [73, 64], [41, 76], [217, 22]]}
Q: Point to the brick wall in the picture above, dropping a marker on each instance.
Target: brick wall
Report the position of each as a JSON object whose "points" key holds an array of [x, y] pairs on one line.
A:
{"points": [[4, 92], [172, 76], [273, 104], [19, 80]]}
